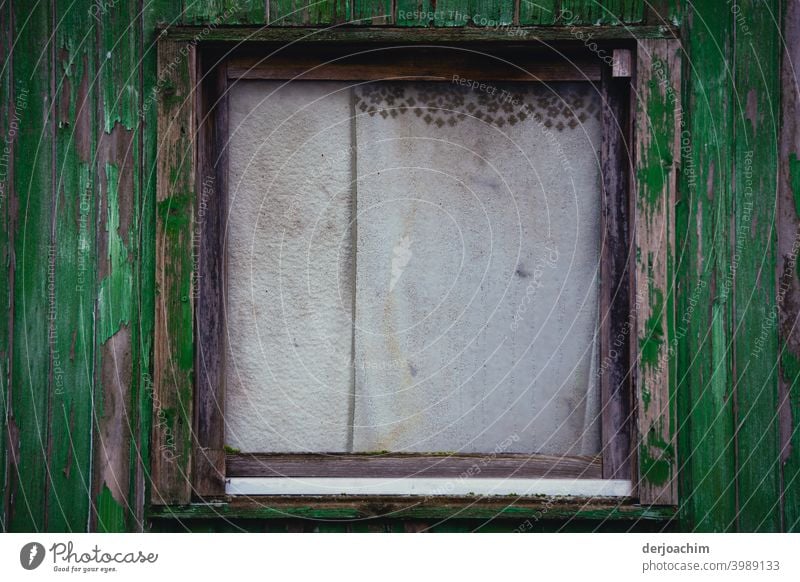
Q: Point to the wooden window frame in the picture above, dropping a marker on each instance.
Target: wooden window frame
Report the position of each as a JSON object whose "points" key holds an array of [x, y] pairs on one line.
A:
{"points": [[188, 459]]}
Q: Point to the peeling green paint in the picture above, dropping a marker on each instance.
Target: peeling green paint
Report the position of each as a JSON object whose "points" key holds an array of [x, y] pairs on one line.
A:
{"points": [[650, 345], [110, 513], [656, 457], [114, 299]]}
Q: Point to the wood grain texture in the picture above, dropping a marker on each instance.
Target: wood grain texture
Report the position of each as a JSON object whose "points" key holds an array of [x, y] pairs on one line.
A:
{"points": [[308, 12], [270, 508], [173, 391], [215, 12], [73, 270], [538, 12], [30, 224], [788, 292], [495, 14], [46, 168], [664, 12], [398, 466], [615, 274], [534, 35], [420, 63], [413, 12], [6, 295], [372, 12], [144, 332], [708, 492], [117, 191], [212, 166], [657, 95], [755, 157]]}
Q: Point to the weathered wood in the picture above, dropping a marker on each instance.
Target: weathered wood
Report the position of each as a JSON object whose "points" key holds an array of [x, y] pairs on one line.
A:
{"points": [[212, 165], [144, 332], [413, 12], [615, 274], [788, 292], [174, 338], [403, 508], [664, 12], [419, 63], [73, 270], [372, 12], [622, 63], [117, 185], [756, 85], [525, 35], [308, 12], [216, 12], [538, 12], [6, 286], [599, 12], [658, 110], [398, 466], [30, 223], [703, 303]]}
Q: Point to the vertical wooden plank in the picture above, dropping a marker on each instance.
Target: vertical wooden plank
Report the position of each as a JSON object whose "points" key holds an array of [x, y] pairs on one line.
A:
{"points": [[217, 12], [483, 13], [174, 347], [615, 314], [705, 385], [491, 13], [632, 11], [308, 12], [372, 12], [72, 334], [538, 12], [657, 96], [31, 221], [117, 185], [413, 12], [660, 12], [159, 11], [788, 292], [7, 112], [212, 176], [756, 85], [609, 12], [579, 11]]}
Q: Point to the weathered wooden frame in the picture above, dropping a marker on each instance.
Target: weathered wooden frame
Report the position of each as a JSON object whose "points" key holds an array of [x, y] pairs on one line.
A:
{"points": [[188, 457]]}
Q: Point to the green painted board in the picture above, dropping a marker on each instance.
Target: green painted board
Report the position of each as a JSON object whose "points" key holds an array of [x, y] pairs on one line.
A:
{"points": [[414, 12], [372, 12], [6, 301], [788, 292], [117, 183], [215, 12], [606, 12], [707, 490], [31, 227], [481, 13], [72, 336], [308, 12], [538, 12], [756, 97]]}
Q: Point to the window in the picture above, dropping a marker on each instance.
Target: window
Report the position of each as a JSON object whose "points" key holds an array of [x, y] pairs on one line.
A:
{"points": [[411, 270]]}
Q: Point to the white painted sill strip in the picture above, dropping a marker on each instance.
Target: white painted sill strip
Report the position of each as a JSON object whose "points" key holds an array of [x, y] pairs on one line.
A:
{"points": [[427, 486]]}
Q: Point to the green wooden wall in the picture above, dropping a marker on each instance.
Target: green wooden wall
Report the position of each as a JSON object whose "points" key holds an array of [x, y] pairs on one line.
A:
{"points": [[77, 232]]}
